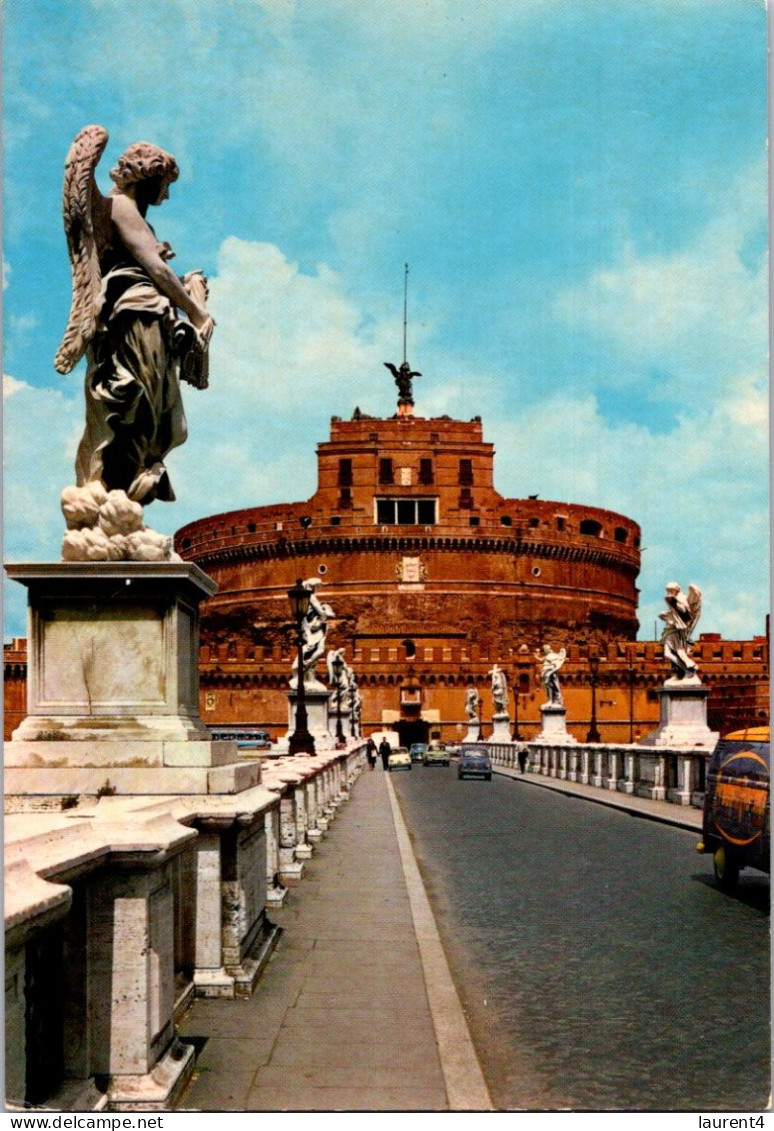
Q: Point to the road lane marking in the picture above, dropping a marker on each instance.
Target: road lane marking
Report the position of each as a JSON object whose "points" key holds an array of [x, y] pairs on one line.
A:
{"points": [[466, 1088]]}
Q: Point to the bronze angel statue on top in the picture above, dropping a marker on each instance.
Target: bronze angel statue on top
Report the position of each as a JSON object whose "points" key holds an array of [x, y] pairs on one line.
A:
{"points": [[141, 327], [680, 620]]}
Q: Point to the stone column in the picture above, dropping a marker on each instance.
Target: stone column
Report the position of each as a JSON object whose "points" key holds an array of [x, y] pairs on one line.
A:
{"points": [[131, 989], [681, 795], [596, 777], [584, 777], [291, 868], [210, 978], [572, 772], [275, 890], [610, 780], [628, 783]]}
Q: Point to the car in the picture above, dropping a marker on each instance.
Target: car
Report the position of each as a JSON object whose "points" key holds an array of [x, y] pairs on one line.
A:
{"points": [[436, 754], [474, 763], [399, 759], [417, 750], [736, 821]]}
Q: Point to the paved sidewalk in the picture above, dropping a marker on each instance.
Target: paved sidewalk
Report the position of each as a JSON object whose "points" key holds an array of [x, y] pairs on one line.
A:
{"points": [[340, 1019], [356, 1010], [684, 816]]}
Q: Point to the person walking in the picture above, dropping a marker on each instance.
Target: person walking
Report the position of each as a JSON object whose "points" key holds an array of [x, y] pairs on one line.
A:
{"points": [[384, 753], [371, 753]]}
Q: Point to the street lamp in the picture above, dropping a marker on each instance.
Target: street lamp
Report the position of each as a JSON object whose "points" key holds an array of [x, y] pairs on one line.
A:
{"points": [[593, 734], [338, 668], [301, 741], [516, 736]]}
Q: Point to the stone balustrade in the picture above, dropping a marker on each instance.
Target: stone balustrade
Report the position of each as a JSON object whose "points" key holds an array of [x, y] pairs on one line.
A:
{"points": [[659, 773], [119, 909]]}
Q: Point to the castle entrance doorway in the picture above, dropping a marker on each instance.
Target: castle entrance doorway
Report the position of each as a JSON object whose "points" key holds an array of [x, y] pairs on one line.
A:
{"points": [[411, 731]]}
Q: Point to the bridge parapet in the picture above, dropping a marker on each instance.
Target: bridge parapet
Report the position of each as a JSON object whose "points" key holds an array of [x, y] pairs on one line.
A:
{"points": [[660, 774]]}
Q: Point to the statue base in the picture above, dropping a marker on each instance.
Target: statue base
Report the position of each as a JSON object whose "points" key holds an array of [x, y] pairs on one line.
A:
{"points": [[682, 716], [334, 715], [553, 730], [474, 731], [317, 699], [501, 728], [113, 684]]}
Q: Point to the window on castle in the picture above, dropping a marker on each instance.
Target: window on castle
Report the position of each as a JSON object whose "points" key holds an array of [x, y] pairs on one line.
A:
{"points": [[589, 526], [345, 498], [621, 534], [406, 512], [466, 471], [345, 472], [385, 471], [425, 471]]}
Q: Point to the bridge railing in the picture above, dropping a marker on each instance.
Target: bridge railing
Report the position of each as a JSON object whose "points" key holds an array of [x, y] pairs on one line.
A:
{"points": [[659, 773]]}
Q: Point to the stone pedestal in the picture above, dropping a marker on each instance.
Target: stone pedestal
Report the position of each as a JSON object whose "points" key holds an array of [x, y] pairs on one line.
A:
{"points": [[683, 716], [333, 716], [501, 728], [554, 726], [113, 684], [316, 697], [473, 732]]}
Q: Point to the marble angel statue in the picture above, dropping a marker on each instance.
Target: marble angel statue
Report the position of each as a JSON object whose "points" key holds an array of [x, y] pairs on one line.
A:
{"points": [[140, 326], [680, 620]]}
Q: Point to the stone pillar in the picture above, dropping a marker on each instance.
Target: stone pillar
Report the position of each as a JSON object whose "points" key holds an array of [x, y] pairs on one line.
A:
{"points": [[683, 716], [291, 868], [610, 778], [628, 782], [131, 988], [681, 795], [275, 890], [572, 771], [585, 776], [562, 773], [210, 978], [596, 777]]}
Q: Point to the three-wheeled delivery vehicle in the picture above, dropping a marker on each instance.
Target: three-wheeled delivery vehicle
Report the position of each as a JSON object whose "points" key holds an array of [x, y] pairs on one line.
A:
{"points": [[736, 805]]}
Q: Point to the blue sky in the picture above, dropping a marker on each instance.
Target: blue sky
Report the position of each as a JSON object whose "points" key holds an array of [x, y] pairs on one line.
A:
{"points": [[579, 187]]}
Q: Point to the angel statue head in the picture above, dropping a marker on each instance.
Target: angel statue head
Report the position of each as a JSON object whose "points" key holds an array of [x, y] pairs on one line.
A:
{"points": [[144, 162]]}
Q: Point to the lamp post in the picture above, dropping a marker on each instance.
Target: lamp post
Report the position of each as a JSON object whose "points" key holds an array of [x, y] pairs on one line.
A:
{"points": [[593, 734], [300, 741], [338, 668], [516, 736], [631, 698]]}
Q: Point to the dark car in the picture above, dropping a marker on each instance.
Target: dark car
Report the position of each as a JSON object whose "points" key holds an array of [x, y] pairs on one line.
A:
{"points": [[417, 750], [736, 825], [474, 763]]}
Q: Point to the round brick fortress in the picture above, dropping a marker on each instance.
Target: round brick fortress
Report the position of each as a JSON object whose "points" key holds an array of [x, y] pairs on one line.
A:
{"points": [[423, 563]]}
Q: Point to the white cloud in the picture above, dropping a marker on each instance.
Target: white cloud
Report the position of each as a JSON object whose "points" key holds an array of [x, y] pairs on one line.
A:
{"points": [[696, 315]]}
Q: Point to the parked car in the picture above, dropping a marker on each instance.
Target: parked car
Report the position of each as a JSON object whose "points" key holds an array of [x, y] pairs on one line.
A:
{"points": [[436, 754], [736, 825], [399, 759], [474, 763], [417, 751]]}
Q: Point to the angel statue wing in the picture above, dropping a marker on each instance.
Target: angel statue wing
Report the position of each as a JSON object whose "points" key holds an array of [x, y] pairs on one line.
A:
{"points": [[693, 598], [85, 215]]}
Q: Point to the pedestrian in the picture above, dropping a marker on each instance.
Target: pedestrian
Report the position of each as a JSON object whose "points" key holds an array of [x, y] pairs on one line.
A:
{"points": [[371, 753], [384, 753], [522, 758]]}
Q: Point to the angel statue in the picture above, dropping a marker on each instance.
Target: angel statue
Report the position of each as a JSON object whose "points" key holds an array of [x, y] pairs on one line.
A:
{"points": [[338, 671], [680, 619], [403, 378], [472, 704], [551, 662], [499, 690], [314, 629], [141, 327]]}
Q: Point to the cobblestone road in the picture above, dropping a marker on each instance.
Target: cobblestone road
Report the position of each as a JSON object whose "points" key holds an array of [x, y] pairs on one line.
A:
{"points": [[599, 966]]}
